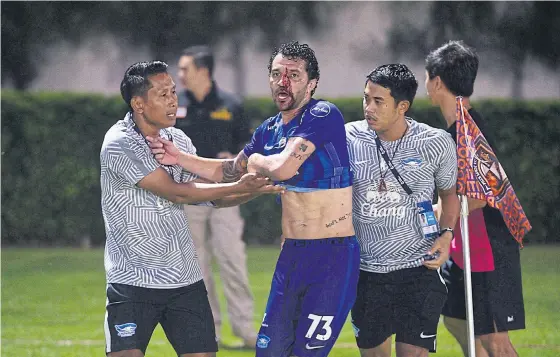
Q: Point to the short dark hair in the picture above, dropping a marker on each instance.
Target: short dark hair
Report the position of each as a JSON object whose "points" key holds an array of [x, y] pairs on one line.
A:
{"points": [[293, 50], [456, 64], [136, 79], [202, 57], [398, 79]]}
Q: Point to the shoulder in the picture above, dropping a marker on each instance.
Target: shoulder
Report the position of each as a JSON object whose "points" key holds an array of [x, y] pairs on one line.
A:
{"points": [[325, 109], [116, 136], [354, 128], [269, 124], [427, 131], [433, 137], [480, 122]]}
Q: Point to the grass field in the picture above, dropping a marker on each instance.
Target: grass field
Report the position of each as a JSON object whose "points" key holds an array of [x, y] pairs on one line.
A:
{"points": [[53, 305]]}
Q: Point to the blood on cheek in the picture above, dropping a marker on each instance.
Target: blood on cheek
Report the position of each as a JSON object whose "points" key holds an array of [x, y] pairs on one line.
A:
{"points": [[286, 82]]}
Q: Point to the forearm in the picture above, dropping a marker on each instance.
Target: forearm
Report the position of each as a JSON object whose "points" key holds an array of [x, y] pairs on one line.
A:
{"points": [[194, 192], [450, 207], [210, 169], [235, 200], [269, 166]]}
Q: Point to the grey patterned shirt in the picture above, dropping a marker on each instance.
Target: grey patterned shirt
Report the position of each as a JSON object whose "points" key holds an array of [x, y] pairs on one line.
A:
{"points": [[148, 242], [387, 223]]}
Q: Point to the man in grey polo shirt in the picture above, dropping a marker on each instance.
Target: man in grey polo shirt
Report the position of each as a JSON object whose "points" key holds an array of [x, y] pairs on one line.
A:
{"points": [[151, 265], [397, 163]]}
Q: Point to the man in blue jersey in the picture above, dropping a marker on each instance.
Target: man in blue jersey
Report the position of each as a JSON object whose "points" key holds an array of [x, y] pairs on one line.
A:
{"points": [[303, 148]]}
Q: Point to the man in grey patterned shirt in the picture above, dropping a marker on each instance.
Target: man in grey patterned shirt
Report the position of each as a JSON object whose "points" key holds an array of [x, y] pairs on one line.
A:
{"points": [[397, 164], [152, 271]]}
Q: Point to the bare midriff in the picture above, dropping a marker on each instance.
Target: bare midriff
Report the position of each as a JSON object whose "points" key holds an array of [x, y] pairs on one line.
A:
{"points": [[317, 214]]}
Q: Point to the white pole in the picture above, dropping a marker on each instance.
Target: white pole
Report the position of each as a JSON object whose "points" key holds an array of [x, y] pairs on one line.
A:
{"points": [[467, 275]]}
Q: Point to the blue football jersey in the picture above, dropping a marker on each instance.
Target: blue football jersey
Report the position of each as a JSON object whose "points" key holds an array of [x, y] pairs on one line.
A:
{"points": [[321, 123]]}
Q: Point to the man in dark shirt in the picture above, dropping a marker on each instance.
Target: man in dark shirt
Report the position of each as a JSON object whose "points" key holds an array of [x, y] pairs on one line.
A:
{"points": [[497, 295], [214, 121]]}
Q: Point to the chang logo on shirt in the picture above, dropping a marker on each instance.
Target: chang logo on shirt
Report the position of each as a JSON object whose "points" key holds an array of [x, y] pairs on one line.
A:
{"points": [[320, 110], [411, 164], [375, 199]]}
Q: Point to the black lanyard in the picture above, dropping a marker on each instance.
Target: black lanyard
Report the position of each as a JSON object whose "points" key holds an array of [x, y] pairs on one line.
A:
{"points": [[381, 150]]}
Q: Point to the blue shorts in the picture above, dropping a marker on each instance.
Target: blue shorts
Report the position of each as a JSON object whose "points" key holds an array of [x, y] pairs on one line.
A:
{"points": [[312, 291]]}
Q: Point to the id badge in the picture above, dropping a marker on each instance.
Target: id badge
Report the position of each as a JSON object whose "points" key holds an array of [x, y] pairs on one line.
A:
{"points": [[428, 221]]}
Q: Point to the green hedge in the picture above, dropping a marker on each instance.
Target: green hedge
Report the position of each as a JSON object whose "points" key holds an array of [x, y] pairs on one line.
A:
{"points": [[50, 163]]}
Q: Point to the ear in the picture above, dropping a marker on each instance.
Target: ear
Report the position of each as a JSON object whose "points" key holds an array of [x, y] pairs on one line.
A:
{"points": [[137, 104], [403, 106], [312, 85], [438, 83]]}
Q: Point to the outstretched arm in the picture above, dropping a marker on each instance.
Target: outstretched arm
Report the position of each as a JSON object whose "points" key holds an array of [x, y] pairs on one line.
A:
{"points": [[216, 170], [282, 166], [161, 184]]}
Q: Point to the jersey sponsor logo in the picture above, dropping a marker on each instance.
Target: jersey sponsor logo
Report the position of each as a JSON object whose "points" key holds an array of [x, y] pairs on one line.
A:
{"points": [[263, 341], [282, 142], [374, 197], [126, 330], [279, 145], [221, 114], [320, 110], [411, 164]]}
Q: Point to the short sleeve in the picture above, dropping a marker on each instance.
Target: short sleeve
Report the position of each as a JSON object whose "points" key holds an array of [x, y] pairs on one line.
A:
{"points": [[446, 167], [256, 143], [320, 123], [128, 159]]}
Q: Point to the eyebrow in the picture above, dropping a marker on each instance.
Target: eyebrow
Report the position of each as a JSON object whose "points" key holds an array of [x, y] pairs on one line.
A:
{"points": [[166, 88], [289, 70]]}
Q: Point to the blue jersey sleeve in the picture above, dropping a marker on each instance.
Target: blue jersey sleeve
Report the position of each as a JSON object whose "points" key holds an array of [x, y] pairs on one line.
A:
{"points": [[320, 123], [256, 143]]}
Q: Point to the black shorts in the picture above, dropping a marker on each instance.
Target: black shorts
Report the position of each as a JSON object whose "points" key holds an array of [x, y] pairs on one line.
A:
{"points": [[497, 295], [405, 302], [184, 313]]}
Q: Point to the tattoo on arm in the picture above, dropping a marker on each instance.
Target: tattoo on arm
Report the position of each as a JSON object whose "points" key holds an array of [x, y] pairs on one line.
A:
{"points": [[300, 157], [299, 154], [232, 170]]}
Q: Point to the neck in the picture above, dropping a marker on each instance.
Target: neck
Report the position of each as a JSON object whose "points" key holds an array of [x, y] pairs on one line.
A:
{"points": [[145, 127], [202, 90], [288, 115], [396, 132], [449, 108]]}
